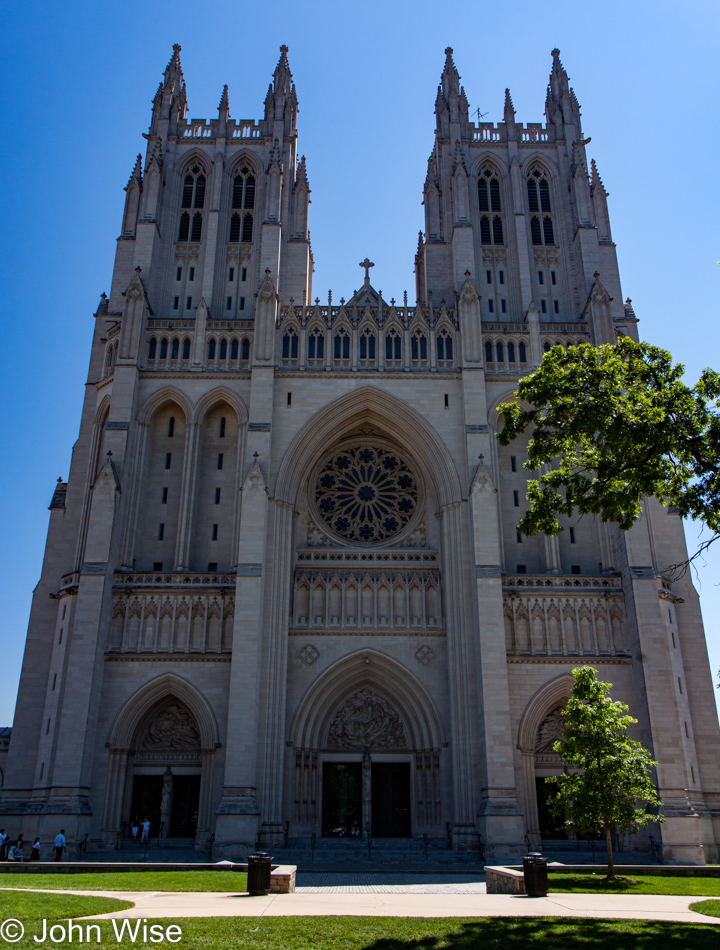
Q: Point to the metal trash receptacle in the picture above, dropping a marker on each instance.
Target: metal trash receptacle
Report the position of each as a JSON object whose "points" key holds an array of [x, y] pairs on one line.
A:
{"points": [[259, 865], [536, 875]]}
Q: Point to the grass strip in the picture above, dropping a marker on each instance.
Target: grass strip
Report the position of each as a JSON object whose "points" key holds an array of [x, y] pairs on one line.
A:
{"points": [[28, 905], [711, 908], [228, 881], [638, 884], [378, 933]]}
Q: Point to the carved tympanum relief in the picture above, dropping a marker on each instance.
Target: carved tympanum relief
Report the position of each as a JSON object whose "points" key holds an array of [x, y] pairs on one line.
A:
{"points": [[173, 729], [367, 721], [550, 731]]}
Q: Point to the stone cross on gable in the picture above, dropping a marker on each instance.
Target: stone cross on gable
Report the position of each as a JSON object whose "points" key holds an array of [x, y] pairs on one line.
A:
{"points": [[367, 264]]}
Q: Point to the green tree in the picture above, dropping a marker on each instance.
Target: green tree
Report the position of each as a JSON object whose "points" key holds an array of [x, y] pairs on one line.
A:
{"points": [[617, 423], [612, 787]]}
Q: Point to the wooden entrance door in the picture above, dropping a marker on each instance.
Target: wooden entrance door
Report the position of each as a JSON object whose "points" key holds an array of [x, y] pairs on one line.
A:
{"points": [[391, 800]]}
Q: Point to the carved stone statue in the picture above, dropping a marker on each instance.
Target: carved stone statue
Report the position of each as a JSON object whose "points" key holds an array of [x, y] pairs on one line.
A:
{"points": [[173, 729], [550, 731], [367, 721]]}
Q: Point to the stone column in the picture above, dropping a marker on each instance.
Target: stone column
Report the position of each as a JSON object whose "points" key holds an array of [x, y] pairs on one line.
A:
{"points": [[166, 797]]}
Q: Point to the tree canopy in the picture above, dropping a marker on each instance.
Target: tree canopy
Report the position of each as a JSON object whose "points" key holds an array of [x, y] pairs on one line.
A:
{"points": [[617, 423], [612, 787]]}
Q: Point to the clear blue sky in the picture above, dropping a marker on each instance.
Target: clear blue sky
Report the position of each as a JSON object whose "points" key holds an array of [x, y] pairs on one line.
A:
{"points": [[78, 79]]}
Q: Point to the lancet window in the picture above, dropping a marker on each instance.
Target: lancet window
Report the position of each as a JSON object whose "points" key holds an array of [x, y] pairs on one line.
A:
{"points": [[444, 345], [367, 345], [290, 346], [490, 206], [541, 223], [316, 345], [193, 201], [243, 205], [341, 346], [393, 347]]}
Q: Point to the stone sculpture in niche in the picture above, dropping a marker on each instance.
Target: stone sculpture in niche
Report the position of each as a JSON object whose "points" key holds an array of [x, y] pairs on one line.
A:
{"points": [[550, 731], [173, 729], [367, 721]]}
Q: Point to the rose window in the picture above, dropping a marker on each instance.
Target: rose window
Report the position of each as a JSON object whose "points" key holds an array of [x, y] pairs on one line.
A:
{"points": [[366, 493]]}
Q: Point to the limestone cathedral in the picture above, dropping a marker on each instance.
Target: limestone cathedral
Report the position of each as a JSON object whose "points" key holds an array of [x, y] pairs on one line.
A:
{"points": [[283, 593]]}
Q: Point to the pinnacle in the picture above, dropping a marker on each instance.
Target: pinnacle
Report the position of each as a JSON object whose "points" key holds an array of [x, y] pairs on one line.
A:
{"points": [[175, 58], [224, 105], [509, 107], [137, 170]]}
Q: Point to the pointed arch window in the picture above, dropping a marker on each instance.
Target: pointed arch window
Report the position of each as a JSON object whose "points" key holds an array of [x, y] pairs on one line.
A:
{"points": [[290, 346], [418, 347], [175, 349], [499, 352], [193, 196], [211, 349], [186, 349], [245, 349], [316, 345], [223, 349], [488, 352], [541, 224], [152, 349], [490, 206], [393, 347], [444, 344], [243, 200], [341, 346], [163, 349], [234, 350], [511, 352], [522, 352], [367, 345]]}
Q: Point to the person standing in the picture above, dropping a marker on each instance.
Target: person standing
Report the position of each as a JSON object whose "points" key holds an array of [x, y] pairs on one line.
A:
{"points": [[135, 827], [35, 853], [59, 845], [146, 830], [3, 845], [19, 856]]}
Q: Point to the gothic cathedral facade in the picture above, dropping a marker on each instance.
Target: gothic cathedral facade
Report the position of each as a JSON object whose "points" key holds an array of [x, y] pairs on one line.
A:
{"points": [[283, 592]]}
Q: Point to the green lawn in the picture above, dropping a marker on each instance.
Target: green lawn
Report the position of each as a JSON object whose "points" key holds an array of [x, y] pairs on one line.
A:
{"points": [[235, 881], [383, 933], [24, 906], [639, 884], [711, 908]]}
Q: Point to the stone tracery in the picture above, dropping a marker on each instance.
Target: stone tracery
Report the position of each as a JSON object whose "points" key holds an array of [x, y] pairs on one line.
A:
{"points": [[366, 721]]}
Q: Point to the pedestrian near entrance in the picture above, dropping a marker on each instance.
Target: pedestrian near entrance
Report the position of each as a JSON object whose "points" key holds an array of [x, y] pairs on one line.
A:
{"points": [[59, 845], [35, 853], [146, 830], [3, 845], [135, 827], [20, 844]]}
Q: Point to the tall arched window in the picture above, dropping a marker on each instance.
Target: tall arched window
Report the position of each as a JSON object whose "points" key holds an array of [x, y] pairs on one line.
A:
{"points": [[316, 345], [186, 349], [223, 349], [489, 204], [341, 346], [367, 345], [488, 352], [541, 225], [243, 200], [163, 349], [523, 352], [499, 352], [393, 347], [175, 350], [234, 350], [193, 196], [152, 349], [418, 347], [246, 349], [511, 352], [444, 344], [211, 350], [290, 346]]}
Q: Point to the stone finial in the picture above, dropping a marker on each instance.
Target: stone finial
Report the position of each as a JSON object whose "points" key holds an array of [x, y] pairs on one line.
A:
{"points": [[224, 105], [367, 264]]}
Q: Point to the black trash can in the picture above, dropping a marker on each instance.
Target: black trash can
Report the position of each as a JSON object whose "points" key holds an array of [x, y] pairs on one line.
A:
{"points": [[259, 866], [536, 875]]}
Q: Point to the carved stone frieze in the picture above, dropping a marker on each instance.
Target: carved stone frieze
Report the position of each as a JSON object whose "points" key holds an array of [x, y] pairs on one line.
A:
{"points": [[550, 731], [173, 729], [367, 721]]}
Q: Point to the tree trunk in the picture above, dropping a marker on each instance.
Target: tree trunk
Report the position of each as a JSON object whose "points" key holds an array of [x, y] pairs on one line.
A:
{"points": [[608, 842]]}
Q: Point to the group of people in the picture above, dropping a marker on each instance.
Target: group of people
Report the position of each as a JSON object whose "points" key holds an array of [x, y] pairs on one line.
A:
{"points": [[10, 851], [135, 827]]}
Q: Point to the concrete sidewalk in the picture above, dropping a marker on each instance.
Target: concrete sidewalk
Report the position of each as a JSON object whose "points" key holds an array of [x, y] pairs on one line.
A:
{"points": [[157, 904]]}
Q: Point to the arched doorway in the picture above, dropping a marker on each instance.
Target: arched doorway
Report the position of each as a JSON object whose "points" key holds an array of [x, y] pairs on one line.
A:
{"points": [[161, 762], [367, 742]]}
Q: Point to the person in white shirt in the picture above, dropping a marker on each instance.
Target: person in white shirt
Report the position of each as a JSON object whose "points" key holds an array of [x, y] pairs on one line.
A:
{"points": [[59, 845], [146, 830]]}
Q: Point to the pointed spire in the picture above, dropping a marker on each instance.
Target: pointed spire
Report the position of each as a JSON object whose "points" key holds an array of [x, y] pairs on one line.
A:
{"points": [[224, 105], [173, 71], [301, 178], [421, 244], [509, 110], [136, 174], [596, 182], [282, 77], [154, 158], [450, 76], [560, 97]]}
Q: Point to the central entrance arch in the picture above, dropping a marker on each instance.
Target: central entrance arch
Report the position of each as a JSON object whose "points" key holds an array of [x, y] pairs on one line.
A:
{"points": [[367, 740]]}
